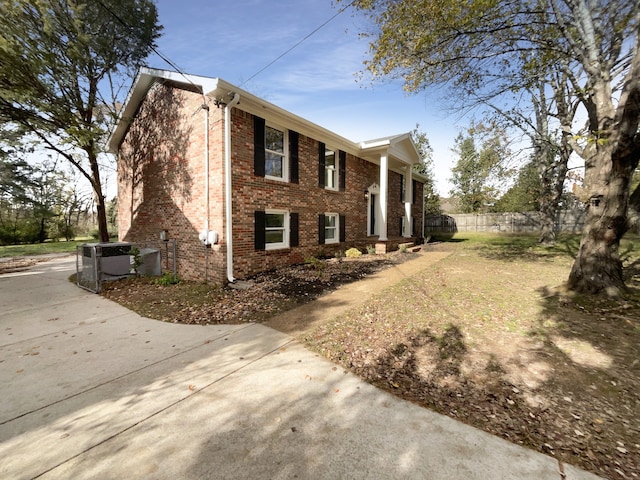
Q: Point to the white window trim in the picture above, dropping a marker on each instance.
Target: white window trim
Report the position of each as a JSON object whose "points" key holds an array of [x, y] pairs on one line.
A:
{"points": [[336, 170], [285, 233], [285, 156], [336, 237]]}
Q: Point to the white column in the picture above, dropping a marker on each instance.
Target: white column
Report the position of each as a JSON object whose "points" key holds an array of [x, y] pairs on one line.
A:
{"points": [[408, 196], [384, 187]]}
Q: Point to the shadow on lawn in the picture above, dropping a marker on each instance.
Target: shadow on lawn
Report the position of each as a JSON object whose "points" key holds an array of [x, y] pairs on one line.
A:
{"points": [[570, 390], [593, 344], [518, 248]]}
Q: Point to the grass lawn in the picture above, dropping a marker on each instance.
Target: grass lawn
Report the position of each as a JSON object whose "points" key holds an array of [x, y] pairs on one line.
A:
{"points": [[39, 248], [42, 248]]}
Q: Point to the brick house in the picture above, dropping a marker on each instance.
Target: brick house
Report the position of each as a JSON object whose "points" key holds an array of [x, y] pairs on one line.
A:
{"points": [[244, 186]]}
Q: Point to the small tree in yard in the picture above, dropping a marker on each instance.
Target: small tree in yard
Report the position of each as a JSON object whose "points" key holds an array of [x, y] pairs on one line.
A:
{"points": [[478, 172], [478, 46], [431, 197], [62, 71]]}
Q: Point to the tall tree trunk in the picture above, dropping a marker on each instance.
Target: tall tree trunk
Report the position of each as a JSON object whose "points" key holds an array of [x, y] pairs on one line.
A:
{"points": [[101, 210], [548, 202], [598, 266], [42, 230], [553, 178]]}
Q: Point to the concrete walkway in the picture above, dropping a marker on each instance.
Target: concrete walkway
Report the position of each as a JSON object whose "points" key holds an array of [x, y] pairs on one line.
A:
{"points": [[91, 390]]}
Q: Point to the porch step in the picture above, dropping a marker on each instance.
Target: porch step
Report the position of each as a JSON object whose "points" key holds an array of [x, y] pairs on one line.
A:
{"points": [[410, 246], [406, 245], [382, 247]]}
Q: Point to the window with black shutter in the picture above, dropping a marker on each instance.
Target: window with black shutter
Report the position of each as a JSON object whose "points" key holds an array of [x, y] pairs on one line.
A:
{"points": [[294, 237], [259, 230], [293, 156], [275, 229], [321, 164], [321, 229], [342, 174], [258, 146]]}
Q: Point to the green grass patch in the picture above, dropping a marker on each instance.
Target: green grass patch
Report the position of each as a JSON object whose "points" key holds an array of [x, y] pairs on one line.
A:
{"points": [[43, 248], [39, 248]]}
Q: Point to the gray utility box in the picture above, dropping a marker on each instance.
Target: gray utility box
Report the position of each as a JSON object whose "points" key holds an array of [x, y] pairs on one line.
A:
{"points": [[151, 262], [102, 261]]}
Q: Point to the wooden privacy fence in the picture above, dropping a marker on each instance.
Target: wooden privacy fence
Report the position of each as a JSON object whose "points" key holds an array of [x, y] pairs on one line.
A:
{"points": [[528, 222]]}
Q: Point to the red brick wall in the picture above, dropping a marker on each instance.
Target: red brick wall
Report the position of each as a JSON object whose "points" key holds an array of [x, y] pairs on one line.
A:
{"points": [[161, 179], [306, 198], [161, 186]]}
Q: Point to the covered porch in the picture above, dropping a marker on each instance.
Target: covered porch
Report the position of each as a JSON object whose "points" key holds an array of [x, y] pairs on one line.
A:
{"points": [[392, 154]]}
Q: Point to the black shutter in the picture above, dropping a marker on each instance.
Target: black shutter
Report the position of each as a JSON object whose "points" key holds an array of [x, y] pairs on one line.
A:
{"points": [[343, 228], [343, 170], [258, 146], [414, 192], [321, 229], [413, 226], [293, 230], [293, 156], [260, 226], [321, 165], [402, 192]]}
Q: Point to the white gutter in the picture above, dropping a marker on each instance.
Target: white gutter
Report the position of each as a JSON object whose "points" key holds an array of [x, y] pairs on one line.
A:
{"points": [[227, 185]]}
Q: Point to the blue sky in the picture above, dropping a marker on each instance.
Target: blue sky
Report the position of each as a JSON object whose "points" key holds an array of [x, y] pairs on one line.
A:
{"points": [[318, 80]]}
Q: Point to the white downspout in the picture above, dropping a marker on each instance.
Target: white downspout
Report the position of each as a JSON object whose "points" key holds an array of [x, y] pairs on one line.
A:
{"points": [[205, 107], [227, 185]]}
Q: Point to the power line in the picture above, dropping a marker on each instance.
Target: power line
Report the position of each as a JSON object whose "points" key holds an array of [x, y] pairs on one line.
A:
{"points": [[153, 48], [177, 69], [297, 44]]}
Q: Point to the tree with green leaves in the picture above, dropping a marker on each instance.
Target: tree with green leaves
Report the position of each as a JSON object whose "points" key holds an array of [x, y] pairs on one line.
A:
{"points": [[478, 46], [425, 168], [525, 194], [479, 172], [64, 63]]}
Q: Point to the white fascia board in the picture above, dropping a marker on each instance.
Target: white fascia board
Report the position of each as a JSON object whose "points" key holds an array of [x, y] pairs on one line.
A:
{"points": [[398, 147], [272, 113]]}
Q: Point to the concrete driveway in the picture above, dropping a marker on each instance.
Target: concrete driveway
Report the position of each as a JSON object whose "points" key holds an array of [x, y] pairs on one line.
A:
{"points": [[91, 390]]}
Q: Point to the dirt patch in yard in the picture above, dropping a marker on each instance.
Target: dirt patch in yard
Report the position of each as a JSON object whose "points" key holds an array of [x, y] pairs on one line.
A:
{"points": [[268, 294], [19, 264]]}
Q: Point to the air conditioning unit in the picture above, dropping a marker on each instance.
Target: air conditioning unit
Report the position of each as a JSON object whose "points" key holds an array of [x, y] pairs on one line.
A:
{"points": [[102, 261]]}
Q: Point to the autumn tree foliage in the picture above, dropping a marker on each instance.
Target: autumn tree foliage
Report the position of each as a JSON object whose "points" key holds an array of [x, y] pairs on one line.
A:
{"points": [[490, 46]]}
